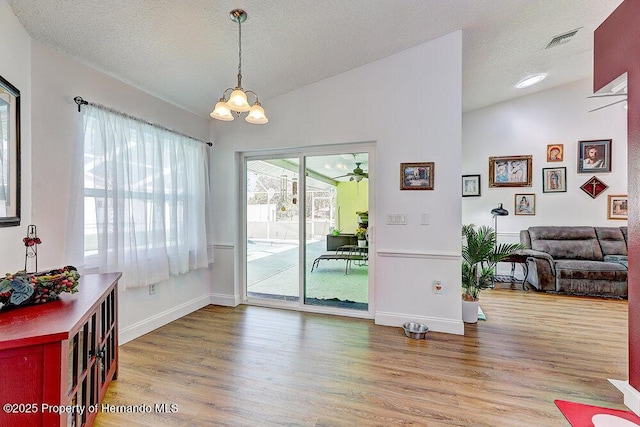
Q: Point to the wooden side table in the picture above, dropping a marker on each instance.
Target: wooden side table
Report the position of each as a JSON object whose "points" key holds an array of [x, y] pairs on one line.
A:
{"points": [[521, 259]]}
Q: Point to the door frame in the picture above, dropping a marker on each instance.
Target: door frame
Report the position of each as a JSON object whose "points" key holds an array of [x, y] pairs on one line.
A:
{"points": [[241, 248]]}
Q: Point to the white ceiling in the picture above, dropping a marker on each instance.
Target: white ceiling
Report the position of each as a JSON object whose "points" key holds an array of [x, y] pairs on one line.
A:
{"points": [[186, 51]]}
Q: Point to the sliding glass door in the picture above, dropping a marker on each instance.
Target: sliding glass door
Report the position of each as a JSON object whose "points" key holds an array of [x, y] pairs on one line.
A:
{"points": [[300, 234], [337, 273], [272, 229]]}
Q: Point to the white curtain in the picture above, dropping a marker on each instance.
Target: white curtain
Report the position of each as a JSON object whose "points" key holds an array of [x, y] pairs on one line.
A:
{"points": [[145, 194]]}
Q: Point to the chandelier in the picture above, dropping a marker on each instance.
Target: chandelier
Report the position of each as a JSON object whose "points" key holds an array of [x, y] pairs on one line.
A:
{"points": [[237, 101]]}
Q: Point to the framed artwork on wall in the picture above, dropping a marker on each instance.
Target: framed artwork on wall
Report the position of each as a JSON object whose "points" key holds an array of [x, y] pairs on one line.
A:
{"points": [[594, 156], [416, 176], [525, 204], [555, 152], [554, 180], [617, 207], [594, 187], [510, 171], [470, 185]]}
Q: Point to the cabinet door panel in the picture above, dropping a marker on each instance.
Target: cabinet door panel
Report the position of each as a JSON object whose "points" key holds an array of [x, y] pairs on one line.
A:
{"points": [[21, 383]]}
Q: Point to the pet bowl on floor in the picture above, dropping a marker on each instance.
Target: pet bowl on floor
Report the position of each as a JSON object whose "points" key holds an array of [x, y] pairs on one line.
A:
{"points": [[415, 330]]}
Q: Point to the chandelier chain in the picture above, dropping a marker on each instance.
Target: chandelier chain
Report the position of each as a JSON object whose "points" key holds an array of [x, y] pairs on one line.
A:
{"points": [[239, 53]]}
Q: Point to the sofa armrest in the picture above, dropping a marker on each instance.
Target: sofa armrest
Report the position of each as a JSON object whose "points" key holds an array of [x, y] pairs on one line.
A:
{"points": [[542, 269], [535, 254]]}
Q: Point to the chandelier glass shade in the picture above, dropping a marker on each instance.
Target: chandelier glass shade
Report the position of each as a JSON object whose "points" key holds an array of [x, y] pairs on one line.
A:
{"points": [[238, 101], [256, 115], [221, 111]]}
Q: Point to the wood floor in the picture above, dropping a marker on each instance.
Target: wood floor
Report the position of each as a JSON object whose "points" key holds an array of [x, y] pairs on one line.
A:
{"points": [[254, 366]]}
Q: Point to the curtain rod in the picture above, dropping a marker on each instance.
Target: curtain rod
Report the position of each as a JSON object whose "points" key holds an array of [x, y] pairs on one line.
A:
{"points": [[80, 101]]}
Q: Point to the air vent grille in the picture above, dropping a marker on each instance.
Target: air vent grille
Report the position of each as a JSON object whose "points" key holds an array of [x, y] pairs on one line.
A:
{"points": [[562, 38]]}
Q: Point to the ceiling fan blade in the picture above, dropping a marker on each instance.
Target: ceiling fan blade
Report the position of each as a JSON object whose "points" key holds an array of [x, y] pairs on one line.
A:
{"points": [[358, 174], [344, 176], [608, 105]]}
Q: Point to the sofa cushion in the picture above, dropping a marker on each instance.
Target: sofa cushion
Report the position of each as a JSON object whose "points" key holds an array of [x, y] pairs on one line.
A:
{"points": [[591, 278], [593, 270], [612, 241], [619, 259], [576, 243]]}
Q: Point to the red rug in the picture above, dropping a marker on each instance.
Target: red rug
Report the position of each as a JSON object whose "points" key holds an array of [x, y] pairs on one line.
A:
{"points": [[580, 415]]}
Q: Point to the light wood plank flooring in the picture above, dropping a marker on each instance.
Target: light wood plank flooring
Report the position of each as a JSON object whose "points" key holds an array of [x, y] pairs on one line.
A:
{"points": [[254, 366]]}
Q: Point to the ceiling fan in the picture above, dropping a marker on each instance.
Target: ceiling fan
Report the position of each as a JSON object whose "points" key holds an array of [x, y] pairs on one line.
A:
{"points": [[357, 175]]}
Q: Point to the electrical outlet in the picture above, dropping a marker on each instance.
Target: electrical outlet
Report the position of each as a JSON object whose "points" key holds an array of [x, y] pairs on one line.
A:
{"points": [[152, 289], [438, 287]]}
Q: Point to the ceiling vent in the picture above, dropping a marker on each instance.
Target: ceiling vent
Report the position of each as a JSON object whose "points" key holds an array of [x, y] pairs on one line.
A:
{"points": [[562, 38]]}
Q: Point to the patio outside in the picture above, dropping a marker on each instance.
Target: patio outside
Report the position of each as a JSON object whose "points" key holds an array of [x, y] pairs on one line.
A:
{"points": [[273, 242]]}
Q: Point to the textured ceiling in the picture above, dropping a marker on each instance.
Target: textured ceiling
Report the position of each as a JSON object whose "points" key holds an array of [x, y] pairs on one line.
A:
{"points": [[185, 51]]}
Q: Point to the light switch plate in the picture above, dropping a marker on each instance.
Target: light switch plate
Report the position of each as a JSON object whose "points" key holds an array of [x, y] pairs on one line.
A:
{"points": [[396, 219]]}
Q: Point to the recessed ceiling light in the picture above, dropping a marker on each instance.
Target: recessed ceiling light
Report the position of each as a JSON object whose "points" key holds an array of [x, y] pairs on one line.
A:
{"points": [[531, 80]]}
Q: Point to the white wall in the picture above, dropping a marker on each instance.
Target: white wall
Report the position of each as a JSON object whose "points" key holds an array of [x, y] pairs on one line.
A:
{"points": [[525, 126], [15, 67], [56, 79], [410, 105]]}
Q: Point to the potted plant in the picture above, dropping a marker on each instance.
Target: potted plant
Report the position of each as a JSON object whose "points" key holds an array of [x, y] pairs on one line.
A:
{"points": [[480, 254], [361, 235]]}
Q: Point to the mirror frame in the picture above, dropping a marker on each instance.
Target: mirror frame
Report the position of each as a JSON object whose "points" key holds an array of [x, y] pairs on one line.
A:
{"points": [[12, 221]]}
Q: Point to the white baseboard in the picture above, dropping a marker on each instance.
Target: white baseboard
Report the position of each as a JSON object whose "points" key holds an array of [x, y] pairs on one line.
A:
{"points": [[154, 322], [435, 324], [224, 300], [631, 395]]}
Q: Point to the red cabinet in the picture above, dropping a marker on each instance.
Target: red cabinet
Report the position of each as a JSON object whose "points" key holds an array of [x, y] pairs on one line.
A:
{"points": [[57, 359]]}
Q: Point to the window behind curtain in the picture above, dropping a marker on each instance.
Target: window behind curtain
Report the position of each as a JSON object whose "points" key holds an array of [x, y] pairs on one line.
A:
{"points": [[144, 199]]}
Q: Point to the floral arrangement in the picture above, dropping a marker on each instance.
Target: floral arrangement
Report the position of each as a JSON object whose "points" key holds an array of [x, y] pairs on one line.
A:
{"points": [[24, 288], [361, 233]]}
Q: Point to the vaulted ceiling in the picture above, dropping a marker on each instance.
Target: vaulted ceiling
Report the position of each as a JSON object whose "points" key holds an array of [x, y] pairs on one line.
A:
{"points": [[186, 51]]}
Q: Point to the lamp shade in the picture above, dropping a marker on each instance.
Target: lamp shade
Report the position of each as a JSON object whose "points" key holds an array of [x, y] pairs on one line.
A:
{"points": [[499, 211], [221, 111], [256, 115], [238, 101]]}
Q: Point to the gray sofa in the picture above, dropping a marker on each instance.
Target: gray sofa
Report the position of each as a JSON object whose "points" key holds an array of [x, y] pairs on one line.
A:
{"points": [[577, 260]]}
